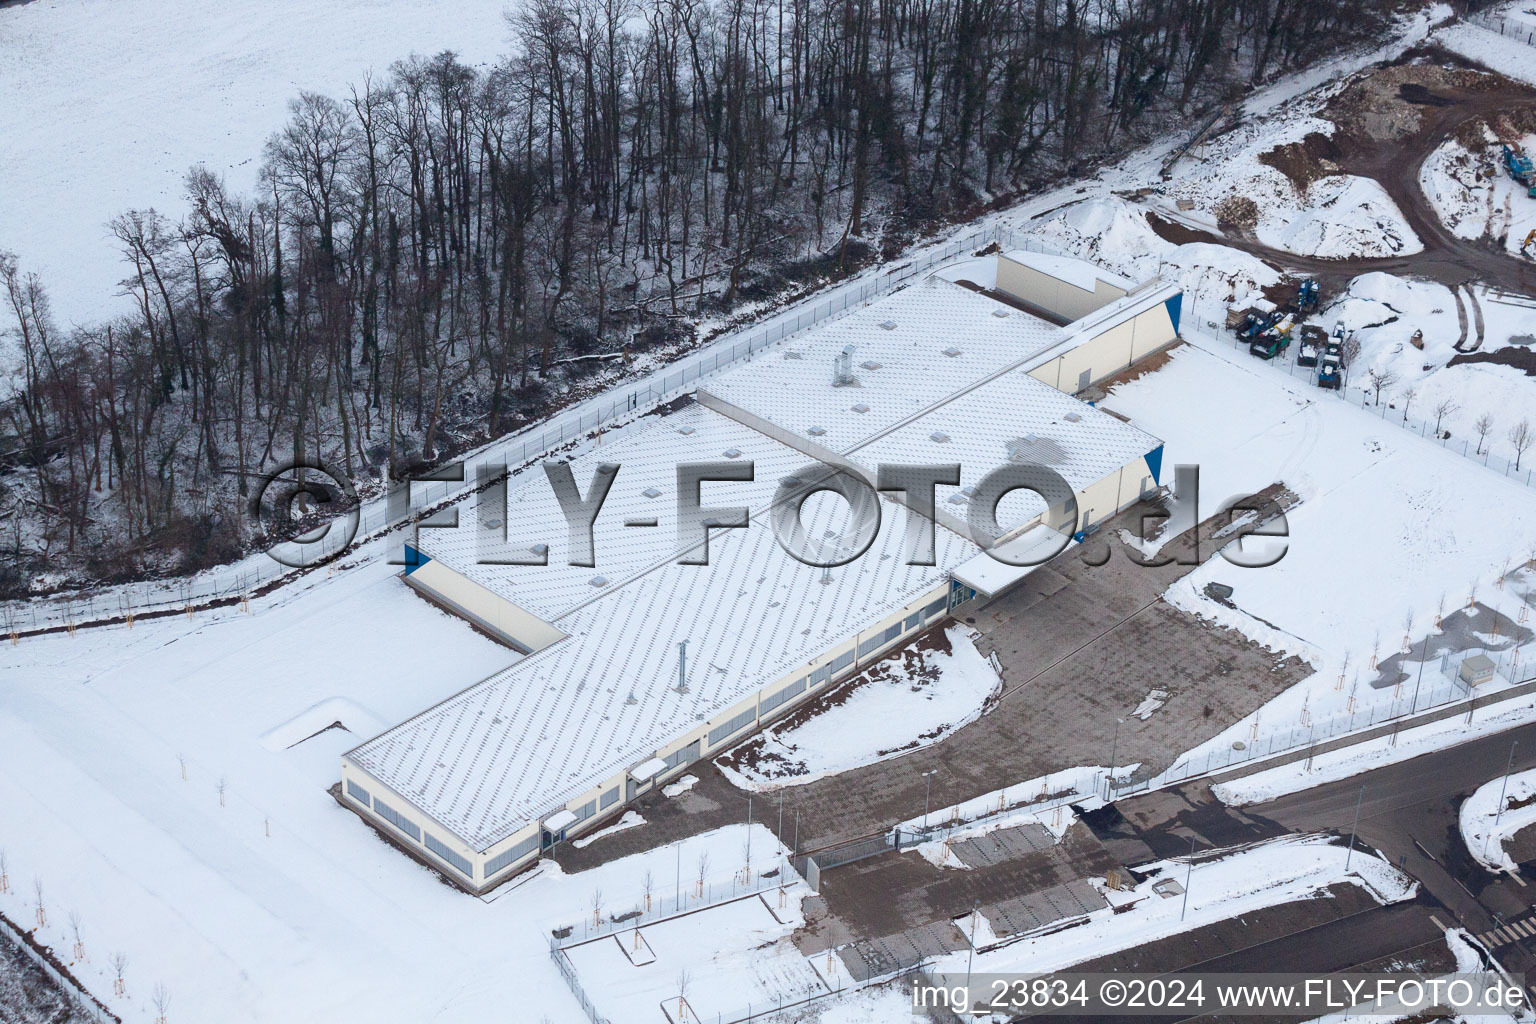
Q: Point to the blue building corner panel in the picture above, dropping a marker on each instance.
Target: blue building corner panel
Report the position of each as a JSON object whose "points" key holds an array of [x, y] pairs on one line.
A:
{"points": [[415, 558], [1175, 306], [1155, 463]]}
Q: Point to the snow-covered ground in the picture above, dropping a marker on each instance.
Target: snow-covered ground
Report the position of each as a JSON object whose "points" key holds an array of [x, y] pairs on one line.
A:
{"points": [[1378, 545], [273, 903], [1485, 830], [735, 957], [912, 699], [1266, 875], [91, 131]]}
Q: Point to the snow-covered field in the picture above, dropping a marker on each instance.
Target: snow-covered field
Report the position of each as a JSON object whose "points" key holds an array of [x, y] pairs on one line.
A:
{"points": [[318, 920], [1485, 830], [1285, 871], [91, 131], [913, 699]]}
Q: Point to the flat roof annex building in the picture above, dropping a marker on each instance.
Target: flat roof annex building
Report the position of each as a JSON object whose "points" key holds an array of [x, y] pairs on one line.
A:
{"points": [[629, 671]]}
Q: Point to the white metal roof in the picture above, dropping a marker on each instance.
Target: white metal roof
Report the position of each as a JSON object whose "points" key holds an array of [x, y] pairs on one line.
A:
{"points": [[646, 487], [1078, 273], [1016, 418], [521, 743], [791, 385], [992, 572]]}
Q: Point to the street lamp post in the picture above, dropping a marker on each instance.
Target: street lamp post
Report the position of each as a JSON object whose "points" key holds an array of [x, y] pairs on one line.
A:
{"points": [[1189, 874], [1508, 767], [1353, 826], [927, 789]]}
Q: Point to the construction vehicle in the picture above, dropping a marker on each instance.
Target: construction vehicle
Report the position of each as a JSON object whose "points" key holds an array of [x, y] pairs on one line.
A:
{"points": [[1520, 167], [1307, 295], [1530, 241], [1273, 340], [1256, 323], [1313, 340], [1330, 370], [1338, 333]]}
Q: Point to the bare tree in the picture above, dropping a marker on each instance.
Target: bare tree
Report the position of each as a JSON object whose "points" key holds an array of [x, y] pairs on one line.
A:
{"points": [[1442, 410], [703, 872], [119, 963], [74, 930], [222, 787], [597, 907], [161, 1000], [648, 885], [1409, 394], [1484, 427], [37, 893], [1521, 437], [683, 980], [1381, 380]]}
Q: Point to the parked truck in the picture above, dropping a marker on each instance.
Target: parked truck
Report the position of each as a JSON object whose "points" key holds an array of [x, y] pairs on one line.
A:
{"points": [[1273, 340], [1311, 345], [1307, 294], [1255, 323]]}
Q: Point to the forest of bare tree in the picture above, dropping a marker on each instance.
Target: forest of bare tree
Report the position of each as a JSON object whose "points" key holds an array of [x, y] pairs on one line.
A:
{"points": [[445, 253]]}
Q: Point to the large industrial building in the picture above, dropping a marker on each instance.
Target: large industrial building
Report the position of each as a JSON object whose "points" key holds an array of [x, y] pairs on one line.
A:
{"points": [[629, 671]]}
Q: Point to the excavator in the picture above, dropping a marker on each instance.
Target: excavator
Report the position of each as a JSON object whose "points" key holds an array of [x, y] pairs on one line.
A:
{"points": [[1530, 242]]}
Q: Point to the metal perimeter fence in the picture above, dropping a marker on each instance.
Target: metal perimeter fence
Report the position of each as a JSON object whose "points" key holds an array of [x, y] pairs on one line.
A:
{"points": [[376, 517], [686, 900], [1427, 696], [85, 1004], [1519, 469], [1518, 31]]}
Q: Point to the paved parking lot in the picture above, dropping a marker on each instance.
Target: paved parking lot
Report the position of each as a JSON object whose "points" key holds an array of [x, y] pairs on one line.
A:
{"points": [[1080, 646]]}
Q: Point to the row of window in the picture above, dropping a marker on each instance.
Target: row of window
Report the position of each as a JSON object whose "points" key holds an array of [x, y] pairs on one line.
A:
{"points": [[610, 798], [585, 811], [686, 755], [879, 640], [358, 793], [461, 863], [790, 692], [734, 725], [396, 819], [511, 855]]}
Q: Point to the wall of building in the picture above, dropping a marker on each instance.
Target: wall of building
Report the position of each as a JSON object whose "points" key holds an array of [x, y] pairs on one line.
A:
{"points": [[1062, 298], [410, 827], [1109, 351], [514, 626]]}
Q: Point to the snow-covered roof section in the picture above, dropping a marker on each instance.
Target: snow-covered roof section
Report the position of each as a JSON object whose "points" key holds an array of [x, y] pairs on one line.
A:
{"points": [[1012, 418], [925, 342], [523, 742], [992, 572], [1076, 272], [645, 488]]}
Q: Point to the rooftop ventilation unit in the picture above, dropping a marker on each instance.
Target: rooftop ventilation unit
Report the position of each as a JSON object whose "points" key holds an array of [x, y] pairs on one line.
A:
{"points": [[1073, 417], [652, 492], [889, 325], [732, 453], [842, 368], [951, 351], [685, 430], [870, 364], [793, 355], [817, 431], [861, 407], [1001, 314], [939, 436], [540, 550], [598, 581]]}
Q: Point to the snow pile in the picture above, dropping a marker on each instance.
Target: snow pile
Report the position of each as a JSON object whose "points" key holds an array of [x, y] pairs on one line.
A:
{"points": [[1474, 196], [912, 699], [1330, 216], [1485, 830], [628, 820], [1266, 875], [1505, 55], [1339, 217], [1115, 233]]}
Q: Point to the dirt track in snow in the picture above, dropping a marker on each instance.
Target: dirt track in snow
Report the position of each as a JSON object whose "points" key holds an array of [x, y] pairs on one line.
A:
{"points": [[1444, 112]]}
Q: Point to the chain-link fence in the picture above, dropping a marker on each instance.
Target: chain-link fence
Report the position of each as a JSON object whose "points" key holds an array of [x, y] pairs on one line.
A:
{"points": [[85, 1004], [1516, 30]]}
